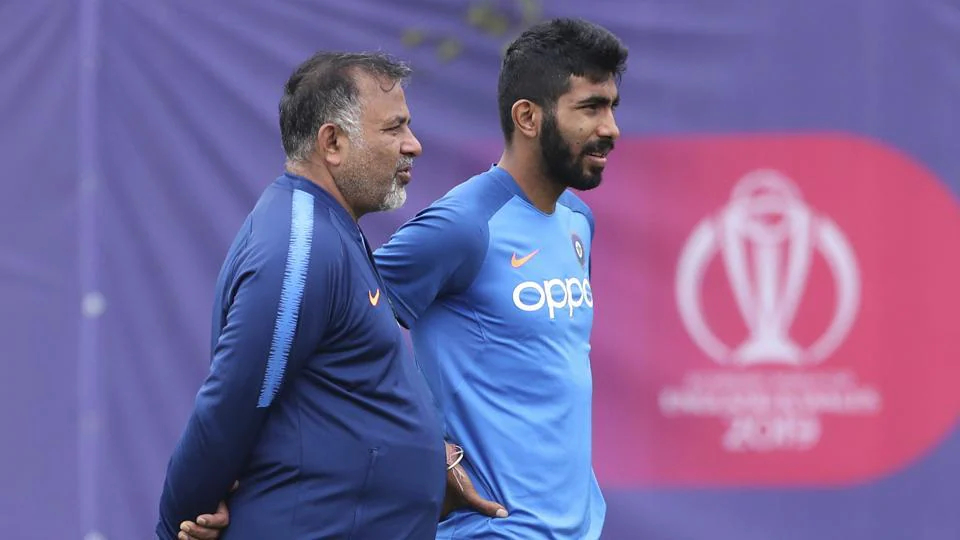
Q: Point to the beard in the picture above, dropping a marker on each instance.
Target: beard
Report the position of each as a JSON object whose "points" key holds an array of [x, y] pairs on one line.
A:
{"points": [[396, 197], [561, 165], [367, 188]]}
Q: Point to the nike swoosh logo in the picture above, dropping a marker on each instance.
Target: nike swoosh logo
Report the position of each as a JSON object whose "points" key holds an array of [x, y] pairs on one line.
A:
{"points": [[374, 298], [518, 262]]}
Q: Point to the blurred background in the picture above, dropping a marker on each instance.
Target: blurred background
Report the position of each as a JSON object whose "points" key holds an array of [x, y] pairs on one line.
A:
{"points": [[776, 349]]}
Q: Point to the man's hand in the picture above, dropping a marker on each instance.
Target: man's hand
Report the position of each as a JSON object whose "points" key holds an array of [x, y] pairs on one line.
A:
{"points": [[207, 526], [460, 491]]}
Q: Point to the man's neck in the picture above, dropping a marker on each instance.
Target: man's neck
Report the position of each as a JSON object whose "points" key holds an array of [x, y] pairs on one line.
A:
{"points": [[322, 179], [535, 184]]}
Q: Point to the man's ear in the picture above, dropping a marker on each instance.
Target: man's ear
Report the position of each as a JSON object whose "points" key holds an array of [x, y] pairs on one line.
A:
{"points": [[527, 117], [331, 143]]}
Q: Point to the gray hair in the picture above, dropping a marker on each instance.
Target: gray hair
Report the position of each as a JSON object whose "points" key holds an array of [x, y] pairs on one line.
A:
{"points": [[323, 90]]}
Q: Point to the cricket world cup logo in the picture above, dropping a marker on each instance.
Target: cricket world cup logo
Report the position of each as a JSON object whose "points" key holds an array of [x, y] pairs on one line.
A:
{"points": [[790, 321], [767, 237]]}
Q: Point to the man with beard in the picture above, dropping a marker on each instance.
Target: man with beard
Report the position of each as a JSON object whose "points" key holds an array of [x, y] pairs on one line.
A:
{"points": [[494, 279], [312, 401]]}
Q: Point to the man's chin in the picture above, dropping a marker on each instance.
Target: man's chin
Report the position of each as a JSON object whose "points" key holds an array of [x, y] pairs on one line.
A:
{"points": [[394, 200], [586, 183]]}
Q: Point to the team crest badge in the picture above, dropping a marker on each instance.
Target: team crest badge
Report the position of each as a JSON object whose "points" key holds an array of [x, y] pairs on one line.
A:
{"points": [[579, 250]]}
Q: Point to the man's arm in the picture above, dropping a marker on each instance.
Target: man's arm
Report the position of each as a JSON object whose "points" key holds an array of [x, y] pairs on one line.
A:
{"points": [[437, 253], [258, 347]]}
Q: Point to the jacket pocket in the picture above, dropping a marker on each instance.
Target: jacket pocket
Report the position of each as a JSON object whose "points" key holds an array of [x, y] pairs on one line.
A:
{"points": [[374, 453]]}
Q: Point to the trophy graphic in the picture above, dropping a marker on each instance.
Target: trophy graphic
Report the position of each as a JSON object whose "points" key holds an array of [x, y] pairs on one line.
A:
{"points": [[767, 237]]}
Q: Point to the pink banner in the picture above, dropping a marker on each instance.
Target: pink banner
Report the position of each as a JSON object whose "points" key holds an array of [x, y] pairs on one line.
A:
{"points": [[771, 311]]}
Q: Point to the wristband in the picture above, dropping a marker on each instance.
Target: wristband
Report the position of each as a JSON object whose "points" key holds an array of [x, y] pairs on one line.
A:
{"points": [[457, 457]]}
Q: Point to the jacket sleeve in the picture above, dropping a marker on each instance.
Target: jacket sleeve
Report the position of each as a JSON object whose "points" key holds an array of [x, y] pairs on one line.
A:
{"points": [[275, 310]]}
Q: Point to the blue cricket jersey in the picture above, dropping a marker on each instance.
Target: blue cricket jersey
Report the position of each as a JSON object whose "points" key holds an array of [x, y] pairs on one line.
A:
{"points": [[498, 296], [313, 401]]}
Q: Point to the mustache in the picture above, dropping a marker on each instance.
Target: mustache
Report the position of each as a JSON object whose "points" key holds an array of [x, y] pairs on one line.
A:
{"points": [[405, 162], [599, 146]]}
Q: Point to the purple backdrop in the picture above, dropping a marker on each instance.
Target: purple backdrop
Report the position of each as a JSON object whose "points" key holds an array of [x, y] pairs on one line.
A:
{"points": [[136, 135]]}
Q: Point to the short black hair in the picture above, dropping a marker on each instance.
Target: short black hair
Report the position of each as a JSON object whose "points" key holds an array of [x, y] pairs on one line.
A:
{"points": [[539, 63], [323, 89]]}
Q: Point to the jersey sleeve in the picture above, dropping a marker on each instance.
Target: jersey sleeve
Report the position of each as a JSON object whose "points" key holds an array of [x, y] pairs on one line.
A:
{"points": [[437, 253], [276, 307]]}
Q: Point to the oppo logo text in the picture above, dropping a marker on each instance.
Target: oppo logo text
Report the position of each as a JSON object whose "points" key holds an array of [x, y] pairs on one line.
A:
{"points": [[557, 295]]}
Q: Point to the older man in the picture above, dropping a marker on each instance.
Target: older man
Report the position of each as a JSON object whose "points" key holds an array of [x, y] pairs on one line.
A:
{"points": [[312, 401]]}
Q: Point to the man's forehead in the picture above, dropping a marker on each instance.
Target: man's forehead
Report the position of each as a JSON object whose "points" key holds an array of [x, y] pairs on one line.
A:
{"points": [[584, 87], [381, 97], [378, 87]]}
